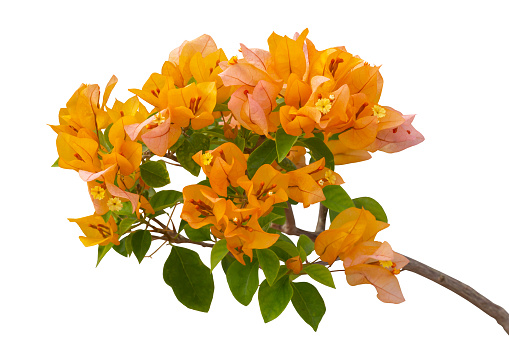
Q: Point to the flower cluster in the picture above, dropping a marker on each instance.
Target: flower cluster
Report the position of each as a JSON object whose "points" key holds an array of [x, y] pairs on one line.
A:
{"points": [[267, 130]]}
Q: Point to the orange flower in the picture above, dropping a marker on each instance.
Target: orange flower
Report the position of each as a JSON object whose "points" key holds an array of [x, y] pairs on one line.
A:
{"points": [[223, 166], [155, 91], [243, 233], [196, 101], [350, 227], [97, 232], [294, 264], [78, 152], [344, 155], [375, 263], [305, 184], [268, 187], [202, 206], [288, 55], [83, 109]]}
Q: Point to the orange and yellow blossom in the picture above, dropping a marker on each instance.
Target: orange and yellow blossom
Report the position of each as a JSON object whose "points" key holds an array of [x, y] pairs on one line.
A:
{"points": [[305, 184], [344, 155], [202, 206], [223, 166], [243, 233], [155, 91], [78, 152], [267, 187], [349, 228], [196, 101], [375, 263], [97, 231], [83, 109]]}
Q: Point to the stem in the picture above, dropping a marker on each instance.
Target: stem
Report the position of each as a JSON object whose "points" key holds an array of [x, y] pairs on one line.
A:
{"points": [[466, 292], [322, 218], [461, 289]]}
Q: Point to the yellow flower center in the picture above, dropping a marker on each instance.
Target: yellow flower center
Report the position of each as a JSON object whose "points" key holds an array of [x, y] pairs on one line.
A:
{"points": [[323, 105], [233, 60], [386, 264], [97, 192], [159, 118], [206, 158], [379, 111], [330, 177], [114, 204]]}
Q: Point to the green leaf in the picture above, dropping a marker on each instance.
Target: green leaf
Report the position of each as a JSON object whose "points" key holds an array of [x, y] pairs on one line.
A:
{"points": [[243, 280], [123, 248], [165, 199], [141, 243], [320, 273], [189, 278], [125, 225], [319, 150], [264, 154], [274, 299], [302, 253], [308, 303], [221, 108], [106, 216], [179, 143], [287, 165], [55, 164], [373, 206], [267, 220], [200, 234], [240, 142], [336, 198], [192, 145], [269, 263], [127, 209], [101, 252], [104, 141], [280, 102], [306, 244], [284, 142], [226, 262], [284, 250], [154, 173], [332, 215], [219, 251]]}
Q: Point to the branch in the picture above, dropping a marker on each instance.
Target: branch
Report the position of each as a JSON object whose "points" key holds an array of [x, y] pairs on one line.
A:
{"points": [[461, 289], [466, 292], [322, 218]]}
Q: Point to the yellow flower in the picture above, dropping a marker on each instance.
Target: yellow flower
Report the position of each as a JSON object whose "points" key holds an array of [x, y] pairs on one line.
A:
{"points": [[206, 158], [379, 111], [323, 105], [114, 204], [97, 192]]}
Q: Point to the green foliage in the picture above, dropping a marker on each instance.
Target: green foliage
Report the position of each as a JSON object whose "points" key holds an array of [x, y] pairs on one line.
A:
{"points": [[269, 263], [101, 252], [264, 154], [284, 249], [200, 234], [125, 247], [243, 280], [165, 199], [371, 205], [154, 173], [141, 240], [306, 244], [319, 273], [308, 302], [125, 225], [55, 164], [192, 145], [318, 150], [219, 251], [274, 299], [284, 143], [189, 278], [226, 262], [336, 198]]}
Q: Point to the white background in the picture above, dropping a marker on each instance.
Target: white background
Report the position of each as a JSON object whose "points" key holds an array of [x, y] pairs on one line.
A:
{"points": [[446, 198]]}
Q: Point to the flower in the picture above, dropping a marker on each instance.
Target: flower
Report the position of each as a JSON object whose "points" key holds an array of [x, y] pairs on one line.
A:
{"points": [[97, 231], [375, 263]]}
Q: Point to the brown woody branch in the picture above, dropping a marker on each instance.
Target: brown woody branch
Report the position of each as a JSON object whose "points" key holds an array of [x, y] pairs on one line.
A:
{"points": [[456, 286]]}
